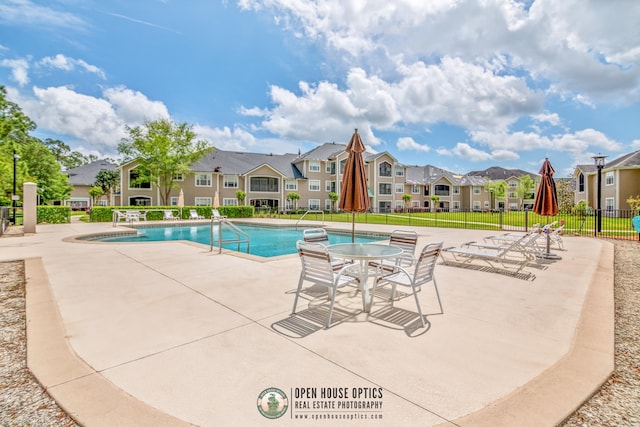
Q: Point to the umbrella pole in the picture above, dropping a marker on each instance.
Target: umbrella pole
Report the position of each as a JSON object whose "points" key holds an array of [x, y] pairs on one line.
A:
{"points": [[353, 227], [549, 255]]}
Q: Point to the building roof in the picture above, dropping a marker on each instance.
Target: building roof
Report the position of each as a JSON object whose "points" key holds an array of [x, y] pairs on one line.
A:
{"points": [[496, 173], [630, 160], [241, 163], [328, 150], [86, 174]]}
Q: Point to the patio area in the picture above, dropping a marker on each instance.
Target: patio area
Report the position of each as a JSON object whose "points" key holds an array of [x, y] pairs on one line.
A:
{"points": [[172, 334]]}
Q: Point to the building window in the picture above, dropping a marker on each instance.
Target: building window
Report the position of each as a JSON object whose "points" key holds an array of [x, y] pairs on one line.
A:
{"points": [[203, 201], [441, 190], [291, 185], [314, 166], [385, 169], [330, 186], [415, 189], [203, 180], [513, 184], [264, 184], [178, 177], [399, 206], [399, 171], [608, 178], [476, 205], [384, 188], [476, 190], [229, 202], [314, 185], [609, 204], [342, 163], [330, 168], [173, 201], [456, 190], [314, 204], [327, 204], [581, 183], [230, 181], [456, 205], [513, 195], [513, 206], [399, 188], [138, 179], [486, 204]]}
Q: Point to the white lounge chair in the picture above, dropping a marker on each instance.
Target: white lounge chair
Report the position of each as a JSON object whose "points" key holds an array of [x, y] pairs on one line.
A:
{"points": [[423, 273], [215, 214], [517, 252], [193, 214], [317, 268], [168, 215]]}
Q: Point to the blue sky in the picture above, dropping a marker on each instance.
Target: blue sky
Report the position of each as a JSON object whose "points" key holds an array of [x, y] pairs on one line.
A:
{"points": [[459, 84]]}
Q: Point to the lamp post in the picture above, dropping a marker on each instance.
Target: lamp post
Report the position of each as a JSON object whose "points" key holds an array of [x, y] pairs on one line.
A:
{"points": [[14, 197], [491, 201], [599, 159]]}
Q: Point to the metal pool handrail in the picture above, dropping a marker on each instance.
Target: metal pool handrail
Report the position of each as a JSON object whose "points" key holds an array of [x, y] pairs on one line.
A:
{"points": [[311, 211], [241, 236]]}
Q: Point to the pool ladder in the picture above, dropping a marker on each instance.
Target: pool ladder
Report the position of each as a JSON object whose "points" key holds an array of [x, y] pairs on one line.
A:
{"points": [[223, 223]]}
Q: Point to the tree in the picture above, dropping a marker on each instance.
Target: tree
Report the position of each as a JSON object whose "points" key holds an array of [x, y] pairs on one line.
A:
{"points": [[334, 198], [95, 192], [107, 180], [163, 150], [41, 167], [497, 190], [14, 132], [67, 158], [525, 189], [241, 195], [406, 198], [435, 199], [634, 203], [294, 197]]}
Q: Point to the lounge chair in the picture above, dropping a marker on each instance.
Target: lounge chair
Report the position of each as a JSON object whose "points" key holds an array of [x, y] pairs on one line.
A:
{"points": [[168, 215], [317, 268], [216, 215], [516, 252], [423, 273], [193, 214]]}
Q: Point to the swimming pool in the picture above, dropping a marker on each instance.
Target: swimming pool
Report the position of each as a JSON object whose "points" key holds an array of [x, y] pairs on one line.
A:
{"points": [[264, 241]]}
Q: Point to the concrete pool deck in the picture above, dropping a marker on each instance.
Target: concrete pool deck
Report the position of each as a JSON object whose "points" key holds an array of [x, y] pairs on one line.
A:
{"points": [[172, 334]]}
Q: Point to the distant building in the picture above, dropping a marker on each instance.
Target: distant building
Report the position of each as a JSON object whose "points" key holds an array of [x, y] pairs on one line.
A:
{"points": [[620, 180], [82, 179], [267, 179]]}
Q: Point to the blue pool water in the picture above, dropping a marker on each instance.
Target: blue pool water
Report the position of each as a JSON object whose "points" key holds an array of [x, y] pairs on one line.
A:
{"points": [[264, 241]]}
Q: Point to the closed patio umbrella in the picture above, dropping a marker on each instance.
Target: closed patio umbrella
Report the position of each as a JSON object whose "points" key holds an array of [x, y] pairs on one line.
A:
{"points": [[354, 195], [181, 201], [546, 203]]}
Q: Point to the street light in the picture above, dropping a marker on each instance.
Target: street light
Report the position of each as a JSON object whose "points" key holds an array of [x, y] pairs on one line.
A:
{"points": [[14, 196], [599, 159]]}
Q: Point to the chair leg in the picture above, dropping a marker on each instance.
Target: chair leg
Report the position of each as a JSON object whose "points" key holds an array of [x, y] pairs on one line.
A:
{"points": [[415, 295], [435, 286], [295, 301], [332, 291]]}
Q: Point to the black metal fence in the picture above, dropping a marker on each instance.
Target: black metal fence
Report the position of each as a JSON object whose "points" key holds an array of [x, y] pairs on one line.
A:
{"points": [[613, 224]]}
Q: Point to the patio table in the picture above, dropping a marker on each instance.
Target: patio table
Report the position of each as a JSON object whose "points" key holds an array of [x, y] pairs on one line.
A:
{"points": [[364, 253]]}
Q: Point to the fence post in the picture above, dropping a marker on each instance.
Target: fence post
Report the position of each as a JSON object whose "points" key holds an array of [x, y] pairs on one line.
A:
{"points": [[501, 213], [526, 220]]}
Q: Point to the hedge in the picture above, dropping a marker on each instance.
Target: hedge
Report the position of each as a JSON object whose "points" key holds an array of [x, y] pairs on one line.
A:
{"points": [[155, 213], [53, 214]]}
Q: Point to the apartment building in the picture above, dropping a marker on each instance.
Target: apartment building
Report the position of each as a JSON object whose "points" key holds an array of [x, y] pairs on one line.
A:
{"points": [[267, 179], [620, 179]]}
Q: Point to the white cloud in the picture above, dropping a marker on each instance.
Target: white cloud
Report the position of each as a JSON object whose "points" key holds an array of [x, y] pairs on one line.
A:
{"points": [[93, 123], [635, 144], [467, 152], [26, 12], [225, 138], [19, 70], [133, 107], [552, 119], [65, 63], [408, 144]]}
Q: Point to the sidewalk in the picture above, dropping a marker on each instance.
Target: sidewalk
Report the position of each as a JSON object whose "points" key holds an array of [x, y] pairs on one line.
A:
{"points": [[171, 334]]}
